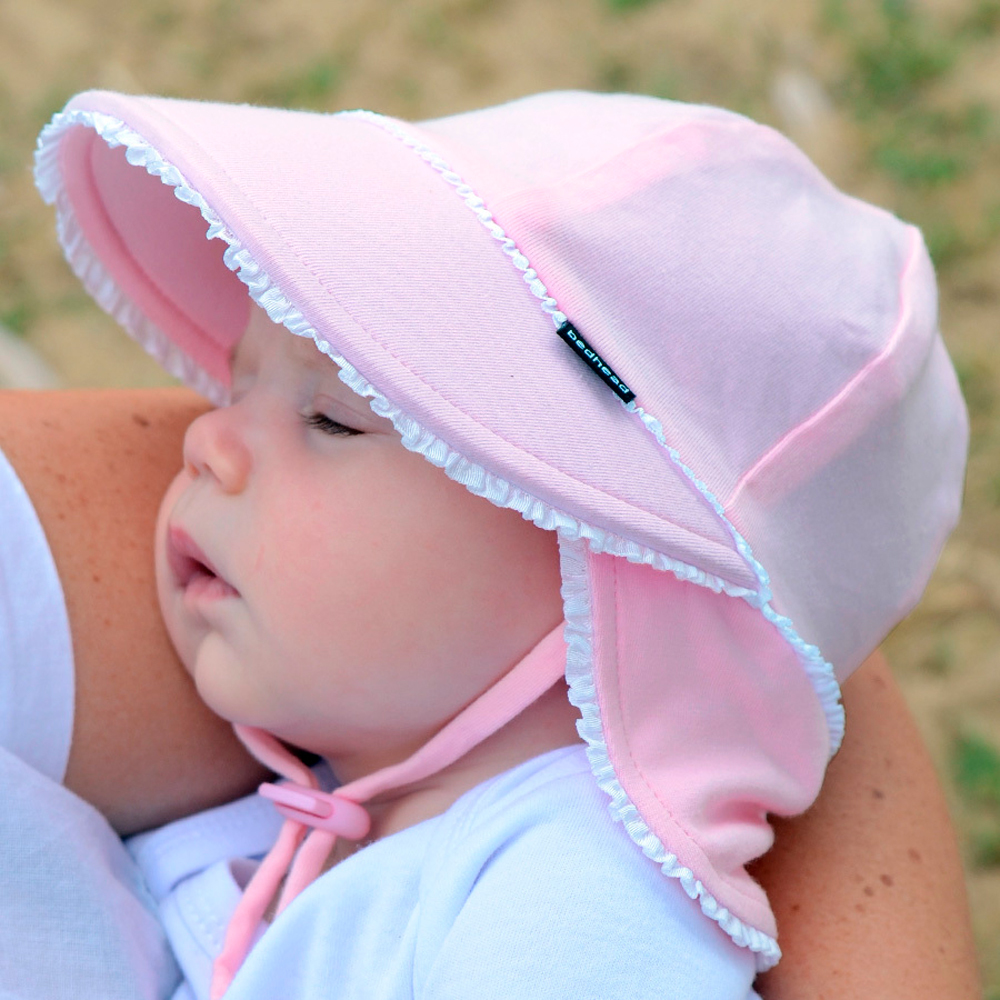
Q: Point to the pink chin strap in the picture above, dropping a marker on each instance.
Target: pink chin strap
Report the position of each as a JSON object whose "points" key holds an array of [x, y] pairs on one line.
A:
{"points": [[314, 819]]}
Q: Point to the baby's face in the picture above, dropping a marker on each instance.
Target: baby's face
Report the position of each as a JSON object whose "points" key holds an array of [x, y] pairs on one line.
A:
{"points": [[324, 583]]}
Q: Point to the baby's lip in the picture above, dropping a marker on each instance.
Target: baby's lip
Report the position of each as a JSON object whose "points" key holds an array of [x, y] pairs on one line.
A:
{"points": [[187, 561]]}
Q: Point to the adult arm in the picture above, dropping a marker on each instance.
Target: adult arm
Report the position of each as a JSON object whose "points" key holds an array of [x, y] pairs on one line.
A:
{"points": [[867, 886], [145, 749]]}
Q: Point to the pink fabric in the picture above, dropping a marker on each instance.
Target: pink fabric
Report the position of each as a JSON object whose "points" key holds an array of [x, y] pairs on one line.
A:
{"points": [[693, 780], [410, 260], [134, 225], [782, 333]]}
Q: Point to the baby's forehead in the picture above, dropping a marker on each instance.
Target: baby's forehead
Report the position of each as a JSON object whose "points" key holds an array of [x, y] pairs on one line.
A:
{"points": [[294, 365], [265, 342], [303, 352]]}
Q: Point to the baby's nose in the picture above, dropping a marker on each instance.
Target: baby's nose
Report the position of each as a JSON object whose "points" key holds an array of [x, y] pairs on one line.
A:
{"points": [[215, 445]]}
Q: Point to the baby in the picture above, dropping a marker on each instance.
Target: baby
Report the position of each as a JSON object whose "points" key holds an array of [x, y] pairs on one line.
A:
{"points": [[652, 331]]}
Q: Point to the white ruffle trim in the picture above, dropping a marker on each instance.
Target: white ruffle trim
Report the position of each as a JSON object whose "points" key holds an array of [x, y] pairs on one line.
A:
{"points": [[85, 263], [583, 694], [88, 267]]}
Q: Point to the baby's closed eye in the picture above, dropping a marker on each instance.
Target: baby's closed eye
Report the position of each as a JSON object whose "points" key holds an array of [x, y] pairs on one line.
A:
{"points": [[328, 425]]}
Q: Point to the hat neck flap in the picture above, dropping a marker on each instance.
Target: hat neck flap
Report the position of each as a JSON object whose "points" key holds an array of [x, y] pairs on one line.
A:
{"points": [[315, 819]]}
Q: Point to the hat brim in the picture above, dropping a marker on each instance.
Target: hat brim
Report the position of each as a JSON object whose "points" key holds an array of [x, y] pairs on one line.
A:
{"points": [[338, 232]]}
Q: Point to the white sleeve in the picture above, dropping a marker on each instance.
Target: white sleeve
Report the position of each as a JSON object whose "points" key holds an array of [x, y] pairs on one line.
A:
{"points": [[75, 919], [36, 654]]}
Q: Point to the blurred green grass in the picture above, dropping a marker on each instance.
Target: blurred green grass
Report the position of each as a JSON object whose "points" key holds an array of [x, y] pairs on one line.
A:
{"points": [[924, 140], [976, 763]]}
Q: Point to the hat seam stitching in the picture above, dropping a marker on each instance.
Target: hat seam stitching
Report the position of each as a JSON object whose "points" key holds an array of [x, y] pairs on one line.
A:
{"points": [[842, 396]]}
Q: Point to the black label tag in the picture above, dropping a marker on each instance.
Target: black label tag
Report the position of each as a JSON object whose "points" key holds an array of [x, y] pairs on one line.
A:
{"points": [[594, 361]]}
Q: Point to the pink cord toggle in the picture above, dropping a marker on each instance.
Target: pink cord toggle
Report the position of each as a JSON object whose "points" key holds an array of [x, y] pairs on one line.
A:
{"points": [[320, 810], [335, 815]]}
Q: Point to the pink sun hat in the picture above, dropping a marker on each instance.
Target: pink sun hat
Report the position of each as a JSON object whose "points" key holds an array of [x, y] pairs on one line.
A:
{"points": [[654, 328]]}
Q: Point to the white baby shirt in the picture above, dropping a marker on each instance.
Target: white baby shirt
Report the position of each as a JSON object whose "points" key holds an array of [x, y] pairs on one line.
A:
{"points": [[525, 888]]}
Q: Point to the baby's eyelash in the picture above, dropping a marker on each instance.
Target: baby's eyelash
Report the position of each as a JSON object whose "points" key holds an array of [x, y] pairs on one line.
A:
{"points": [[323, 423]]}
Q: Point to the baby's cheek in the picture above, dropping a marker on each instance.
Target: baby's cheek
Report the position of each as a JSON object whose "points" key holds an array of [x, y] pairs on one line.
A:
{"points": [[303, 585]]}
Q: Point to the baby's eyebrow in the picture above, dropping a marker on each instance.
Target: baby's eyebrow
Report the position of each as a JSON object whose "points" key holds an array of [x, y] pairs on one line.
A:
{"points": [[322, 364], [315, 361], [312, 357]]}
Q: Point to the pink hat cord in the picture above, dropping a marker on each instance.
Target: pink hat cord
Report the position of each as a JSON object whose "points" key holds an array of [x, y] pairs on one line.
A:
{"points": [[329, 815], [670, 678]]}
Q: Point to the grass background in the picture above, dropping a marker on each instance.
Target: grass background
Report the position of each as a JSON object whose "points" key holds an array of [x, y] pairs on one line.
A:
{"points": [[898, 102]]}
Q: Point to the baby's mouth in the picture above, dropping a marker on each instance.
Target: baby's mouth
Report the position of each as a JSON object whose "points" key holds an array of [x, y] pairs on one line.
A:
{"points": [[192, 570]]}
